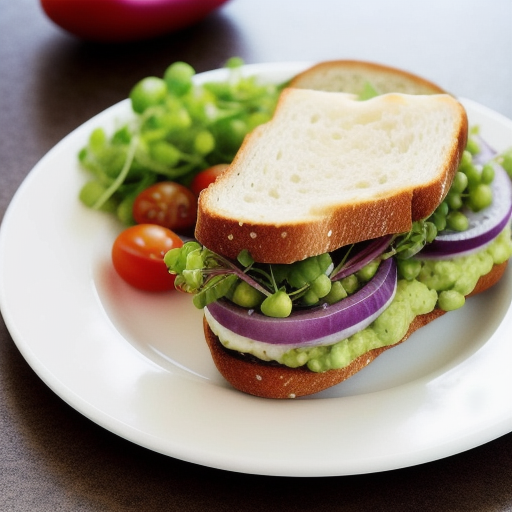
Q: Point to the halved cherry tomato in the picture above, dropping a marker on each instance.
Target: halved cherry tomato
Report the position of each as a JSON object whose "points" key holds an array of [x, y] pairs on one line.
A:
{"points": [[167, 204], [137, 255], [206, 177]]}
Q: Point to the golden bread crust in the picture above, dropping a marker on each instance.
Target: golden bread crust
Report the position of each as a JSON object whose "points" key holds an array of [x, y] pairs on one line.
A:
{"points": [[278, 381], [323, 74]]}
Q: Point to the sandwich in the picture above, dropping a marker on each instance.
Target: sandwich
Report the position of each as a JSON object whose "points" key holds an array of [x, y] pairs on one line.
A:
{"points": [[345, 223]]}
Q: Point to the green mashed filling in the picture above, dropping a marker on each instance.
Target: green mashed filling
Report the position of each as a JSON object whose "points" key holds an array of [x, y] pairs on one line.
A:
{"points": [[433, 283]]}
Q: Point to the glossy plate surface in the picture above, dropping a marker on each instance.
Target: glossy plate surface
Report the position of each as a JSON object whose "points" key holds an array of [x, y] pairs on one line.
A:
{"points": [[137, 363]]}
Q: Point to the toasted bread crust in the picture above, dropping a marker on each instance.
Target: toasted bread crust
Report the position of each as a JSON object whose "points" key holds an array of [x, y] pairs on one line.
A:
{"points": [[278, 381], [323, 75], [288, 243]]}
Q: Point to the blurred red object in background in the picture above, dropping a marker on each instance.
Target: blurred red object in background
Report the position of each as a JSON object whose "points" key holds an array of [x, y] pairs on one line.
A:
{"points": [[126, 20]]}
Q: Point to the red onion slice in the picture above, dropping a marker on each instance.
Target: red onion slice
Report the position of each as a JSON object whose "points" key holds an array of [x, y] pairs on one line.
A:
{"points": [[320, 325], [484, 226], [371, 250]]}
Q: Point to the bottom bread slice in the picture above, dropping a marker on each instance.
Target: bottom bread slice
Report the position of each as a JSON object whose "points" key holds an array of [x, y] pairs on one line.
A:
{"points": [[273, 380]]}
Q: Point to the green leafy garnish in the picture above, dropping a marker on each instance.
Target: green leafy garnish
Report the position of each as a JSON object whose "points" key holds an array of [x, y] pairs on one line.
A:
{"points": [[179, 128], [406, 245], [368, 92]]}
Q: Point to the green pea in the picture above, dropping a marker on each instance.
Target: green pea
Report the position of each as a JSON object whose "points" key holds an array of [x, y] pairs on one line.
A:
{"points": [[97, 140], [306, 271], [278, 305], [454, 200], [178, 77], [450, 300], [336, 293], [473, 146], [487, 175], [321, 286], [246, 296], [439, 220], [178, 120], [244, 258], [443, 209], [430, 231], [350, 283], [172, 119], [148, 136], [165, 153], [457, 221], [204, 142], [91, 193], [409, 269], [473, 175], [480, 197], [310, 298], [368, 271], [466, 159], [460, 182], [148, 92]]}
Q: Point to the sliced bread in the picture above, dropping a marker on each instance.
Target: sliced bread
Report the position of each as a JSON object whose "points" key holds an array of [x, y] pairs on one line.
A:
{"points": [[329, 170], [352, 76]]}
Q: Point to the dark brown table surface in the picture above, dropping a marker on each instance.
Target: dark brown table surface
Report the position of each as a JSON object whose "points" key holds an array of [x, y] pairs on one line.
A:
{"points": [[54, 459]]}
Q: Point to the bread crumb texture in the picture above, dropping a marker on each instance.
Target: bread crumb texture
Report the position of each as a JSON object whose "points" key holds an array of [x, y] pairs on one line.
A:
{"points": [[326, 149]]}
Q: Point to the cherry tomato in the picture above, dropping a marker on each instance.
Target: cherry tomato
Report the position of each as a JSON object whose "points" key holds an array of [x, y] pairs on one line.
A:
{"points": [[207, 177], [167, 204], [137, 255]]}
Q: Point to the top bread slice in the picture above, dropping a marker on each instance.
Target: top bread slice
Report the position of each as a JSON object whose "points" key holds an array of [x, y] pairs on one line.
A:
{"points": [[351, 76], [329, 170]]}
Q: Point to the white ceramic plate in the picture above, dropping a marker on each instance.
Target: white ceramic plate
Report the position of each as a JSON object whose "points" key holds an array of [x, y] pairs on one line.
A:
{"points": [[137, 363]]}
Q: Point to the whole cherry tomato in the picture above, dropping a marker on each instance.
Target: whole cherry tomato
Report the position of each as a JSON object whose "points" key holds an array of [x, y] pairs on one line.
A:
{"points": [[137, 255], [167, 204], [207, 177]]}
